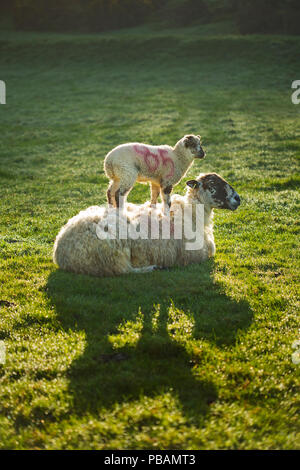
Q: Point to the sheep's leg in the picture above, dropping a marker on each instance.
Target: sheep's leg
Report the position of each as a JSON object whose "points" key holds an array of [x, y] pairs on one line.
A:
{"points": [[111, 192], [154, 193], [165, 193]]}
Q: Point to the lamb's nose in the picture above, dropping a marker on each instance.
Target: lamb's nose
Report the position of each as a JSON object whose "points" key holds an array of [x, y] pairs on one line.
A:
{"points": [[237, 198]]}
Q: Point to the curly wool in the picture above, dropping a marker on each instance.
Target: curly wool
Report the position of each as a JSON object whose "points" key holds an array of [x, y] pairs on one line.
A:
{"points": [[78, 249]]}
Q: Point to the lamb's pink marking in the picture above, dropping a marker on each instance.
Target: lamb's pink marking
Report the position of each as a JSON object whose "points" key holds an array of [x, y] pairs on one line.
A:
{"points": [[148, 157], [152, 160], [166, 160]]}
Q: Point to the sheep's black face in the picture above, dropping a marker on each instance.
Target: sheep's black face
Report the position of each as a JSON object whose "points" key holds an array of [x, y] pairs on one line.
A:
{"points": [[222, 195], [216, 191]]}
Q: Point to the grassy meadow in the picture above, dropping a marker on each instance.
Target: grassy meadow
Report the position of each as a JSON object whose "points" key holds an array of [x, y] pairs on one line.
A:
{"points": [[189, 358]]}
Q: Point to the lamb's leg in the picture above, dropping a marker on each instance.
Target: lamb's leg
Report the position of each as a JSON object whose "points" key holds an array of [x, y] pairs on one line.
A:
{"points": [[165, 193], [121, 197], [154, 193], [126, 184], [111, 192]]}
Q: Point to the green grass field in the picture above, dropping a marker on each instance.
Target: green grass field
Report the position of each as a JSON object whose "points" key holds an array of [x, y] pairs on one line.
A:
{"points": [[190, 358]]}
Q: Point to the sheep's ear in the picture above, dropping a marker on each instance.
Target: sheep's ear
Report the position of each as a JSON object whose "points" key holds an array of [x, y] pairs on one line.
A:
{"points": [[199, 136], [192, 184]]}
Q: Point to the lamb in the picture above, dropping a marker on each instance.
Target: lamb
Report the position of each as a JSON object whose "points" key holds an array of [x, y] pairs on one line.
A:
{"points": [[78, 247], [162, 166]]}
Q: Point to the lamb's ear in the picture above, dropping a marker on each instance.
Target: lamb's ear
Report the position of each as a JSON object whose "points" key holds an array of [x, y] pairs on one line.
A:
{"points": [[193, 184]]}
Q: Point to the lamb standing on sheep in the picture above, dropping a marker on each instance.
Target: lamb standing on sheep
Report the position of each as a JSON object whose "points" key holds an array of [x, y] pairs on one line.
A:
{"points": [[78, 247], [162, 166]]}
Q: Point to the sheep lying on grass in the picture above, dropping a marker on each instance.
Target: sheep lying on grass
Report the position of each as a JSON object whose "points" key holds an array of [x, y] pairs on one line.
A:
{"points": [[79, 249], [162, 166]]}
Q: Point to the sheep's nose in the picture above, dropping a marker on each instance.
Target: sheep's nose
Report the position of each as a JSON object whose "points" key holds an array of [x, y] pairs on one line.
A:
{"points": [[237, 198]]}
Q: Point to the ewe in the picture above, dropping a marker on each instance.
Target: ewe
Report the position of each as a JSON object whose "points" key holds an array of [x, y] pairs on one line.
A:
{"points": [[79, 249], [162, 166]]}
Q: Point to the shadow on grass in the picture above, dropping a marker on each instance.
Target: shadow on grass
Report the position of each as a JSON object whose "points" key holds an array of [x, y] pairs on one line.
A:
{"points": [[134, 347]]}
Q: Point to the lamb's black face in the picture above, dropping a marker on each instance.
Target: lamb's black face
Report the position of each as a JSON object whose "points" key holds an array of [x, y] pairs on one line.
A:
{"points": [[216, 191]]}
